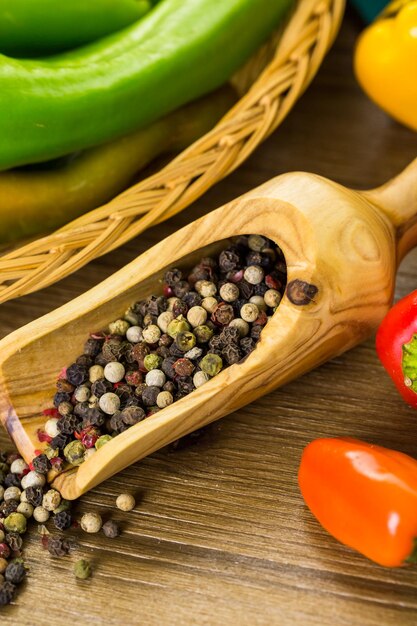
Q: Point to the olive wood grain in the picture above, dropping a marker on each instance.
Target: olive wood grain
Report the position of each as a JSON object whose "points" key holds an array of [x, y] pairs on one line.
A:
{"points": [[340, 249]]}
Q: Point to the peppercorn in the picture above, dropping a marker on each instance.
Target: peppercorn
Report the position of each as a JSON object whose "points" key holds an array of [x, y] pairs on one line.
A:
{"points": [[255, 332], [61, 396], [12, 493], [125, 502], [15, 573], [15, 523], [230, 334], [149, 395], [229, 260], [247, 344], [7, 591], [175, 351], [14, 541], [192, 299], [155, 377], [25, 509], [93, 346], [229, 292], [205, 288], [58, 546], [249, 312], [178, 325], [152, 361], [65, 408], [200, 378], [203, 333], [114, 371], [101, 441], [59, 441], [18, 466], [109, 403], [111, 529], [164, 399], [185, 385], [185, 340], [33, 479], [241, 325], [74, 452], [34, 495], [77, 374], [132, 415], [51, 500], [172, 276], [3, 565], [246, 290], [211, 364], [91, 522], [231, 354], [6, 508], [151, 334], [197, 316], [40, 514], [272, 298], [256, 242], [64, 385], [4, 551], [179, 307], [62, 520], [118, 327], [222, 314], [183, 367], [82, 569]]}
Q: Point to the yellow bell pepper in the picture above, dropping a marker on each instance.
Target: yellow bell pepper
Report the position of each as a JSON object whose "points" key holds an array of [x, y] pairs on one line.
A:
{"points": [[386, 62]]}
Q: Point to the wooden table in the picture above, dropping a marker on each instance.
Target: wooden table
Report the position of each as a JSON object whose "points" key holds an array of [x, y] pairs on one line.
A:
{"points": [[220, 534]]}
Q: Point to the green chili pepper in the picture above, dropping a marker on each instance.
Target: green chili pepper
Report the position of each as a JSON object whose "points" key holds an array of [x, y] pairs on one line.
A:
{"points": [[39, 27], [39, 198], [181, 50]]}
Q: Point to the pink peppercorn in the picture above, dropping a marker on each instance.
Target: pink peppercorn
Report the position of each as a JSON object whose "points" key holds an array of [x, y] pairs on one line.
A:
{"points": [[167, 291], [4, 551], [262, 319], [271, 282], [52, 412], [89, 439], [134, 378]]}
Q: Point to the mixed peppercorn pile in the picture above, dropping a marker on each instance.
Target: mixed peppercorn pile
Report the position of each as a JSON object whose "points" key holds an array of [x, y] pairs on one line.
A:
{"points": [[164, 347]]}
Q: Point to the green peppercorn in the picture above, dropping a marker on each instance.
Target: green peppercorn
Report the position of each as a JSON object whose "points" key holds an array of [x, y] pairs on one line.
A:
{"points": [[101, 441], [82, 569], [203, 333], [178, 325], [64, 506], [211, 364], [152, 362], [185, 340], [15, 523], [74, 452]]}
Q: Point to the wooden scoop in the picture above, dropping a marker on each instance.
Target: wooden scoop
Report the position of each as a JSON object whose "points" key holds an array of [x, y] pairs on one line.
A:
{"points": [[342, 248]]}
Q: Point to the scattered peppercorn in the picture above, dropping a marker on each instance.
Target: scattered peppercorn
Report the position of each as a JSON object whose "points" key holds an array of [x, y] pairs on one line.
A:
{"points": [[111, 529], [58, 546], [82, 569]]}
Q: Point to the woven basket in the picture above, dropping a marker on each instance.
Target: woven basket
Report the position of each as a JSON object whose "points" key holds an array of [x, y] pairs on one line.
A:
{"points": [[291, 60]]}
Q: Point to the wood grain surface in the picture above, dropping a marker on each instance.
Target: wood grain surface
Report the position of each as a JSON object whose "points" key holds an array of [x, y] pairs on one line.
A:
{"points": [[220, 534]]}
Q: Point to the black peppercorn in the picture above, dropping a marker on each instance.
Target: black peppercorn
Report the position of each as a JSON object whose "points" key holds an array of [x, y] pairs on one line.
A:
{"points": [[230, 334], [247, 344], [12, 480], [156, 305], [7, 591], [100, 387], [149, 395], [62, 520], [61, 396], [93, 346], [81, 409], [116, 423], [231, 353], [179, 308], [111, 529], [229, 260], [246, 289], [173, 276], [185, 385], [113, 349], [181, 288], [14, 541], [216, 343], [254, 258], [132, 401], [132, 415], [15, 573], [84, 360], [170, 386], [175, 351], [167, 365], [59, 441], [260, 289], [255, 332], [163, 352], [68, 424], [34, 496], [192, 298], [58, 546], [100, 360], [41, 462], [77, 374], [94, 417], [6, 508]]}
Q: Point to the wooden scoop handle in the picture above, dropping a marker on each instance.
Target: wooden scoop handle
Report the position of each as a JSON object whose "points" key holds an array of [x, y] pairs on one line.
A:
{"points": [[398, 200]]}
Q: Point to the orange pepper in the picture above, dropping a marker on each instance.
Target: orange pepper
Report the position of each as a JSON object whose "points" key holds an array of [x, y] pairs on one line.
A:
{"points": [[364, 495]]}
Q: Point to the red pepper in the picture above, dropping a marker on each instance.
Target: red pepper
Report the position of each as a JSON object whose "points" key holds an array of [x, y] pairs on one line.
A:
{"points": [[364, 495], [396, 345]]}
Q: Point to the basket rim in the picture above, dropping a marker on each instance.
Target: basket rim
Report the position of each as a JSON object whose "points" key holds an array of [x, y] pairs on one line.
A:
{"points": [[308, 35]]}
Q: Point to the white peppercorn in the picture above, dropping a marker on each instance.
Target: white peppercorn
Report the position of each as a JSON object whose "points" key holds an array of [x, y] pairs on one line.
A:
{"points": [[164, 319], [96, 372], [229, 292], [155, 378], [197, 316], [256, 242], [200, 378], [259, 301], [91, 522], [12, 493], [151, 334], [89, 453], [93, 401], [209, 304], [26, 509], [164, 398], [109, 403], [114, 372], [241, 325], [51, 427], [23, 496], [205, 288], [82, 393], [125, 502], [272, 298], [119, 327], [51, 500], [40, 514], [134, 334], [253, 274], [18, 466], [33, 479], [249, 312]]}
